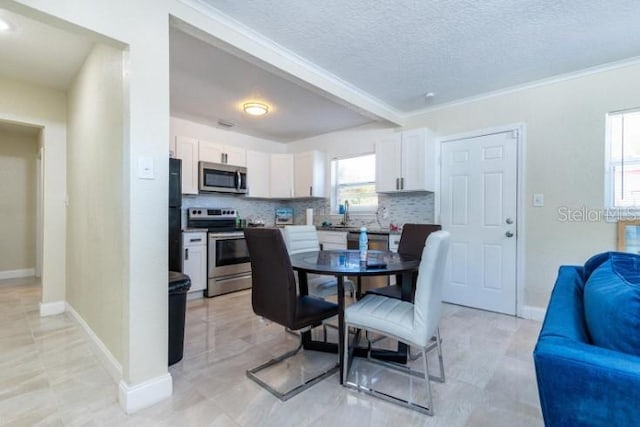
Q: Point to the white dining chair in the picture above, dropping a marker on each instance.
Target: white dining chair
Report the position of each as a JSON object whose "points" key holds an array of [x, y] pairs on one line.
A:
{"points": [[415, 323], [304, 238]]}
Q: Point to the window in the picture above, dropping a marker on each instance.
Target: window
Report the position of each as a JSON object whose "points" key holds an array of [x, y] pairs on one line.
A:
{"points": [[623, 160], [354, 179]]}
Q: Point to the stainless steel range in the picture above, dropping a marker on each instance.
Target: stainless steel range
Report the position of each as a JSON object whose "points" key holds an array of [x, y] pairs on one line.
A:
{"points": [[228, 266]]}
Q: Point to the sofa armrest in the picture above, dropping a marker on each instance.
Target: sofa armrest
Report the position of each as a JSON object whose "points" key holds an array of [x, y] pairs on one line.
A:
{"points": [[580, 384]]}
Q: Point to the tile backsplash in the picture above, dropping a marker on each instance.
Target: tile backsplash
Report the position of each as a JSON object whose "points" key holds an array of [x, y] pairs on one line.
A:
{"points": [[400, 208], [248, 208]]}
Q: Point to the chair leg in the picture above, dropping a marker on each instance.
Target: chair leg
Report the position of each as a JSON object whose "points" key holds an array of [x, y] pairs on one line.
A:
{"points": [[251, 374], [345, 354], [427, 380], [294, 333], [439, 347], [423, 375]]}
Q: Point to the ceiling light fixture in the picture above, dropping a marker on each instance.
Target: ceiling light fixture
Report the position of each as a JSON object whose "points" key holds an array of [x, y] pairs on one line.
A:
{"points": [[4, 25], [255, 108]]}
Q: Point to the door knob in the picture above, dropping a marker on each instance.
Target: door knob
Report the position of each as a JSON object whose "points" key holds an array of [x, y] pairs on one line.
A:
{"points": [[508, 234], [509, 221]]}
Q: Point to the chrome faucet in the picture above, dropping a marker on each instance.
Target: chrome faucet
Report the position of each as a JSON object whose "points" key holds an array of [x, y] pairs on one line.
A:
{"points": [[345, 216]]}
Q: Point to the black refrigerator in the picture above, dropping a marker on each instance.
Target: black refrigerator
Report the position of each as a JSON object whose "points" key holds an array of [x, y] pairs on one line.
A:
{"points": [[175, 215]]}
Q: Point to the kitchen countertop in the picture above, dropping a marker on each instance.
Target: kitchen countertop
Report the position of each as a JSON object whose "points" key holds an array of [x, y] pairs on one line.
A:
{"points": [[330, 228], [205, 230], [357, 229]]}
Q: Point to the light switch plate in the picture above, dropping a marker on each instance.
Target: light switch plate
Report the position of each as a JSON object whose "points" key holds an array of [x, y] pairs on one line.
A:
{"points": [[145, 168], [538, 200]]}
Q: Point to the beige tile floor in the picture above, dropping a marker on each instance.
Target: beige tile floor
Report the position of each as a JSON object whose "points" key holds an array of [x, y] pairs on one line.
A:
{"points": [[50, 377]]}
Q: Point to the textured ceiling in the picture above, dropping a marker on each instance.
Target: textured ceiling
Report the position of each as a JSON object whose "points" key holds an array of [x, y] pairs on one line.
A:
{"points": [[397, 50], [38, 53], [209, 84]]}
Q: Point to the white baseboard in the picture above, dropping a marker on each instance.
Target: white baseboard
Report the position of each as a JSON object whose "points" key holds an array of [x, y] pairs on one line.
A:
{"points": [[131, 398], [52, 308], [106, 357], [139, 396], [533, 313], [16, 274]]}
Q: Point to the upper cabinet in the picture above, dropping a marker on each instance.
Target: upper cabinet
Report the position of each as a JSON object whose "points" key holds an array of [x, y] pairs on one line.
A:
{"points": [[406, 162], [218, 153], [281, 181], [258, 173], [276, 176], [187, 150], [308, 169]]}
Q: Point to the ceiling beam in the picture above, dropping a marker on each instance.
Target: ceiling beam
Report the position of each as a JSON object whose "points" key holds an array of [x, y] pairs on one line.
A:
{"points": [[235, 38]]}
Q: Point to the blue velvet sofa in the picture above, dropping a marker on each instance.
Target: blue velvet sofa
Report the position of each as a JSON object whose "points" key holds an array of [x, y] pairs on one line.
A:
{"points": [[579, 383]]}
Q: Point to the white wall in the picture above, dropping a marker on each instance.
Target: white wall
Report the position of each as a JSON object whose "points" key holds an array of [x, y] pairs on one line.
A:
{"points": [[29, 104], [18, 153], [143, 27], [565, 131], [343, 143], [95, 218]]}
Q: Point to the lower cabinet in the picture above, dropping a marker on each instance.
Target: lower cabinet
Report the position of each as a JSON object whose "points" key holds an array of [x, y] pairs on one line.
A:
{"points": [[332, 240], [194, 259]]}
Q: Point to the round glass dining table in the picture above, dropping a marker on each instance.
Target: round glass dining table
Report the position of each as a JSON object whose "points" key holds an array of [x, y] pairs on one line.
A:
{"points": [[341, 263]]}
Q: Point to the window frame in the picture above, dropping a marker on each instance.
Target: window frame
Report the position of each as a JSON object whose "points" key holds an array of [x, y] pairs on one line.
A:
{"points": [[613, 212], [353, 209]]}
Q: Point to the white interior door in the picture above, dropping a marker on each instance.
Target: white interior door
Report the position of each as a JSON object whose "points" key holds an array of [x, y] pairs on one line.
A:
{"points": [[478, 202]]}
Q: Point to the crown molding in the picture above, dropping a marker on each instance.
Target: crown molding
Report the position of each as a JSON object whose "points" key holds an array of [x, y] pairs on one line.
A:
{"points": [[250, 42]]}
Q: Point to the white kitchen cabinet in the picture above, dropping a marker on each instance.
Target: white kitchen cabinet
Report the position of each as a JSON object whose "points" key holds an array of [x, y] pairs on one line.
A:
{"points": [[218, 153], [308, 178], [281, 180], [187, 150], [258, 173], [194, 259], [406, 162], [332, 239]]}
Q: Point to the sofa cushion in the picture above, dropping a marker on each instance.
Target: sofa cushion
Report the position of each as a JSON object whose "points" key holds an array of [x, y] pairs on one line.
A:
{"points": [[593, 263], [612, 303]]}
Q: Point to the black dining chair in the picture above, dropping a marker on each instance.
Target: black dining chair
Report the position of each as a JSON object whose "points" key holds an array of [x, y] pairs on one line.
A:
{"points": [[275, 297], [412, 241]]}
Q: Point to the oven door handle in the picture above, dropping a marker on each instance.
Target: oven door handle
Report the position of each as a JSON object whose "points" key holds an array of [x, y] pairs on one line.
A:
{"points": [[226, 238]]}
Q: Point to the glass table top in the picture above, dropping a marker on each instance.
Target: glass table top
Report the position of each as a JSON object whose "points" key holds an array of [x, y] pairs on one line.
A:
{"points": [[348, 262]]}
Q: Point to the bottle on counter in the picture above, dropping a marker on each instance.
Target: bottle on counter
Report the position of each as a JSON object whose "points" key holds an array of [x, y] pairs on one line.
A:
{"points": [[363, 244]]}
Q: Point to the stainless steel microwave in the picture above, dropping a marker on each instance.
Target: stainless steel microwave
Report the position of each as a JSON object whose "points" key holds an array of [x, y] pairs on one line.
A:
{"points": [[221, 178]]}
